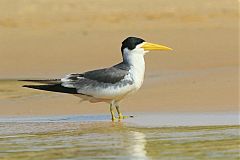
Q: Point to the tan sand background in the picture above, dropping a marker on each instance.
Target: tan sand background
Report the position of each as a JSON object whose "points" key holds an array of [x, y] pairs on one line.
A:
{"points": [[51, 38]]}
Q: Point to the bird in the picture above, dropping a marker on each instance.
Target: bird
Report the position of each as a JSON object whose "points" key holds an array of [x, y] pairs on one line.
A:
{"points": [[110, 85]]}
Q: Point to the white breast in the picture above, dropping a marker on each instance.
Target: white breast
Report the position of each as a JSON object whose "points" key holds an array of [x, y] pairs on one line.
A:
{"points": [[137, 69], [137, 76]]}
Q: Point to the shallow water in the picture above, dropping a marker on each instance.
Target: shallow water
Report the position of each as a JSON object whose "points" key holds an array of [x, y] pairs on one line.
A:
{"points": [[95, 137]]}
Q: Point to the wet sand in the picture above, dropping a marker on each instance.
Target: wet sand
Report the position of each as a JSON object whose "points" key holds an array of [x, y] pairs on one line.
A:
{"points": [[175, 92], [145, 120]]}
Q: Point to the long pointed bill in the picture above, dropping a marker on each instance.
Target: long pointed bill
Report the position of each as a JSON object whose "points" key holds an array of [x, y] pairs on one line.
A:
{"points": [[151, 46]]}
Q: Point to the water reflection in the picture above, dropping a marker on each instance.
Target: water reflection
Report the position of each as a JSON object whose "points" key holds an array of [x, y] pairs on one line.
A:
{"points": [[106, 140], [137, 145]]}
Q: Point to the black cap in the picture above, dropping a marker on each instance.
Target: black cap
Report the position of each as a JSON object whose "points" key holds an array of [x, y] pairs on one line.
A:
{"points": [[131, 43]]}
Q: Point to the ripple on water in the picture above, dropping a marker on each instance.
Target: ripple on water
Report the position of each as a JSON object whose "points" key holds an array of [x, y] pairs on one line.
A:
{"points": [[74, 138]]}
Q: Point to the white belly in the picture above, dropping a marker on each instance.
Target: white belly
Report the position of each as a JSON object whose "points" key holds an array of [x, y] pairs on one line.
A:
{"points": [[118, 90]]}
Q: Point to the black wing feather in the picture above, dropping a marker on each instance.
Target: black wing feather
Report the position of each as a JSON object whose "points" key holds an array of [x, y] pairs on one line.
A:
{"points": [[107, 76], [44, 81], [53, 88]]}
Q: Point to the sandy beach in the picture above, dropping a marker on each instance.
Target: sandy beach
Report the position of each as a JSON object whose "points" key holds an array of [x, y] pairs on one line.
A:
{"points": [[187, 108], [48, 39]]}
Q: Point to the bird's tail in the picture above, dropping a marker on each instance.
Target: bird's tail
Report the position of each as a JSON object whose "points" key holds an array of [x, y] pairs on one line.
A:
{"points": [[52, 88], [44, 81], [52, 85]]}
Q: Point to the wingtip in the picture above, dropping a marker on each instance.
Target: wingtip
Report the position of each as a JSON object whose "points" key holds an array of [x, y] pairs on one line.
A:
{"points": [[42, 81], [52, 88], [26, 86], [30, 86]]}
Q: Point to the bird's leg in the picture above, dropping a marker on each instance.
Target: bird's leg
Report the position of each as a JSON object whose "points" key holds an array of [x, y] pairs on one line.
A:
{"points": [[112, 112], [120, 116]]}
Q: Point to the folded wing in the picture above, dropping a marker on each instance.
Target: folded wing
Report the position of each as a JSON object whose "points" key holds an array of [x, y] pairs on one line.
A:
{"points": [[82, 83]]}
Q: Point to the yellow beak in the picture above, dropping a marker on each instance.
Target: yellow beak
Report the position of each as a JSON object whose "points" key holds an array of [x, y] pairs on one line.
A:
{"points": [[151, 46]]}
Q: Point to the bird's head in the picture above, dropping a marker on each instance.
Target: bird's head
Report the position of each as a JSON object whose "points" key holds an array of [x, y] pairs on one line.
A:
{"points": [[134, 45]]}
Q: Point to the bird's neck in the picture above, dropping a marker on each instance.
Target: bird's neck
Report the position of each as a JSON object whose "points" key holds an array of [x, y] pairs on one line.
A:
{"points": [[135, 60], [137, 67]]}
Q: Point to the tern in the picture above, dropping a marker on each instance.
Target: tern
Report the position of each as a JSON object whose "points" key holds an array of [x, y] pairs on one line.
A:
{"points": [[110, 85]]}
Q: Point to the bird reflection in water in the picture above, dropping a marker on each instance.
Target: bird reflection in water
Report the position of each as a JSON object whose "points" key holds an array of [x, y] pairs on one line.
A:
{"points": [[137, 146]]}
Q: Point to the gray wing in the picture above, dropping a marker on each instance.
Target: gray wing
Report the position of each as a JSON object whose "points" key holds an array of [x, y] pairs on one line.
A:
{"points": [[79, 83], [107, 75]]}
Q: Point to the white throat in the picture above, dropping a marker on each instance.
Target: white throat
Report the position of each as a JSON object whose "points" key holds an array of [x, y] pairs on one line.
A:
{"points": [[135, 58]]}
